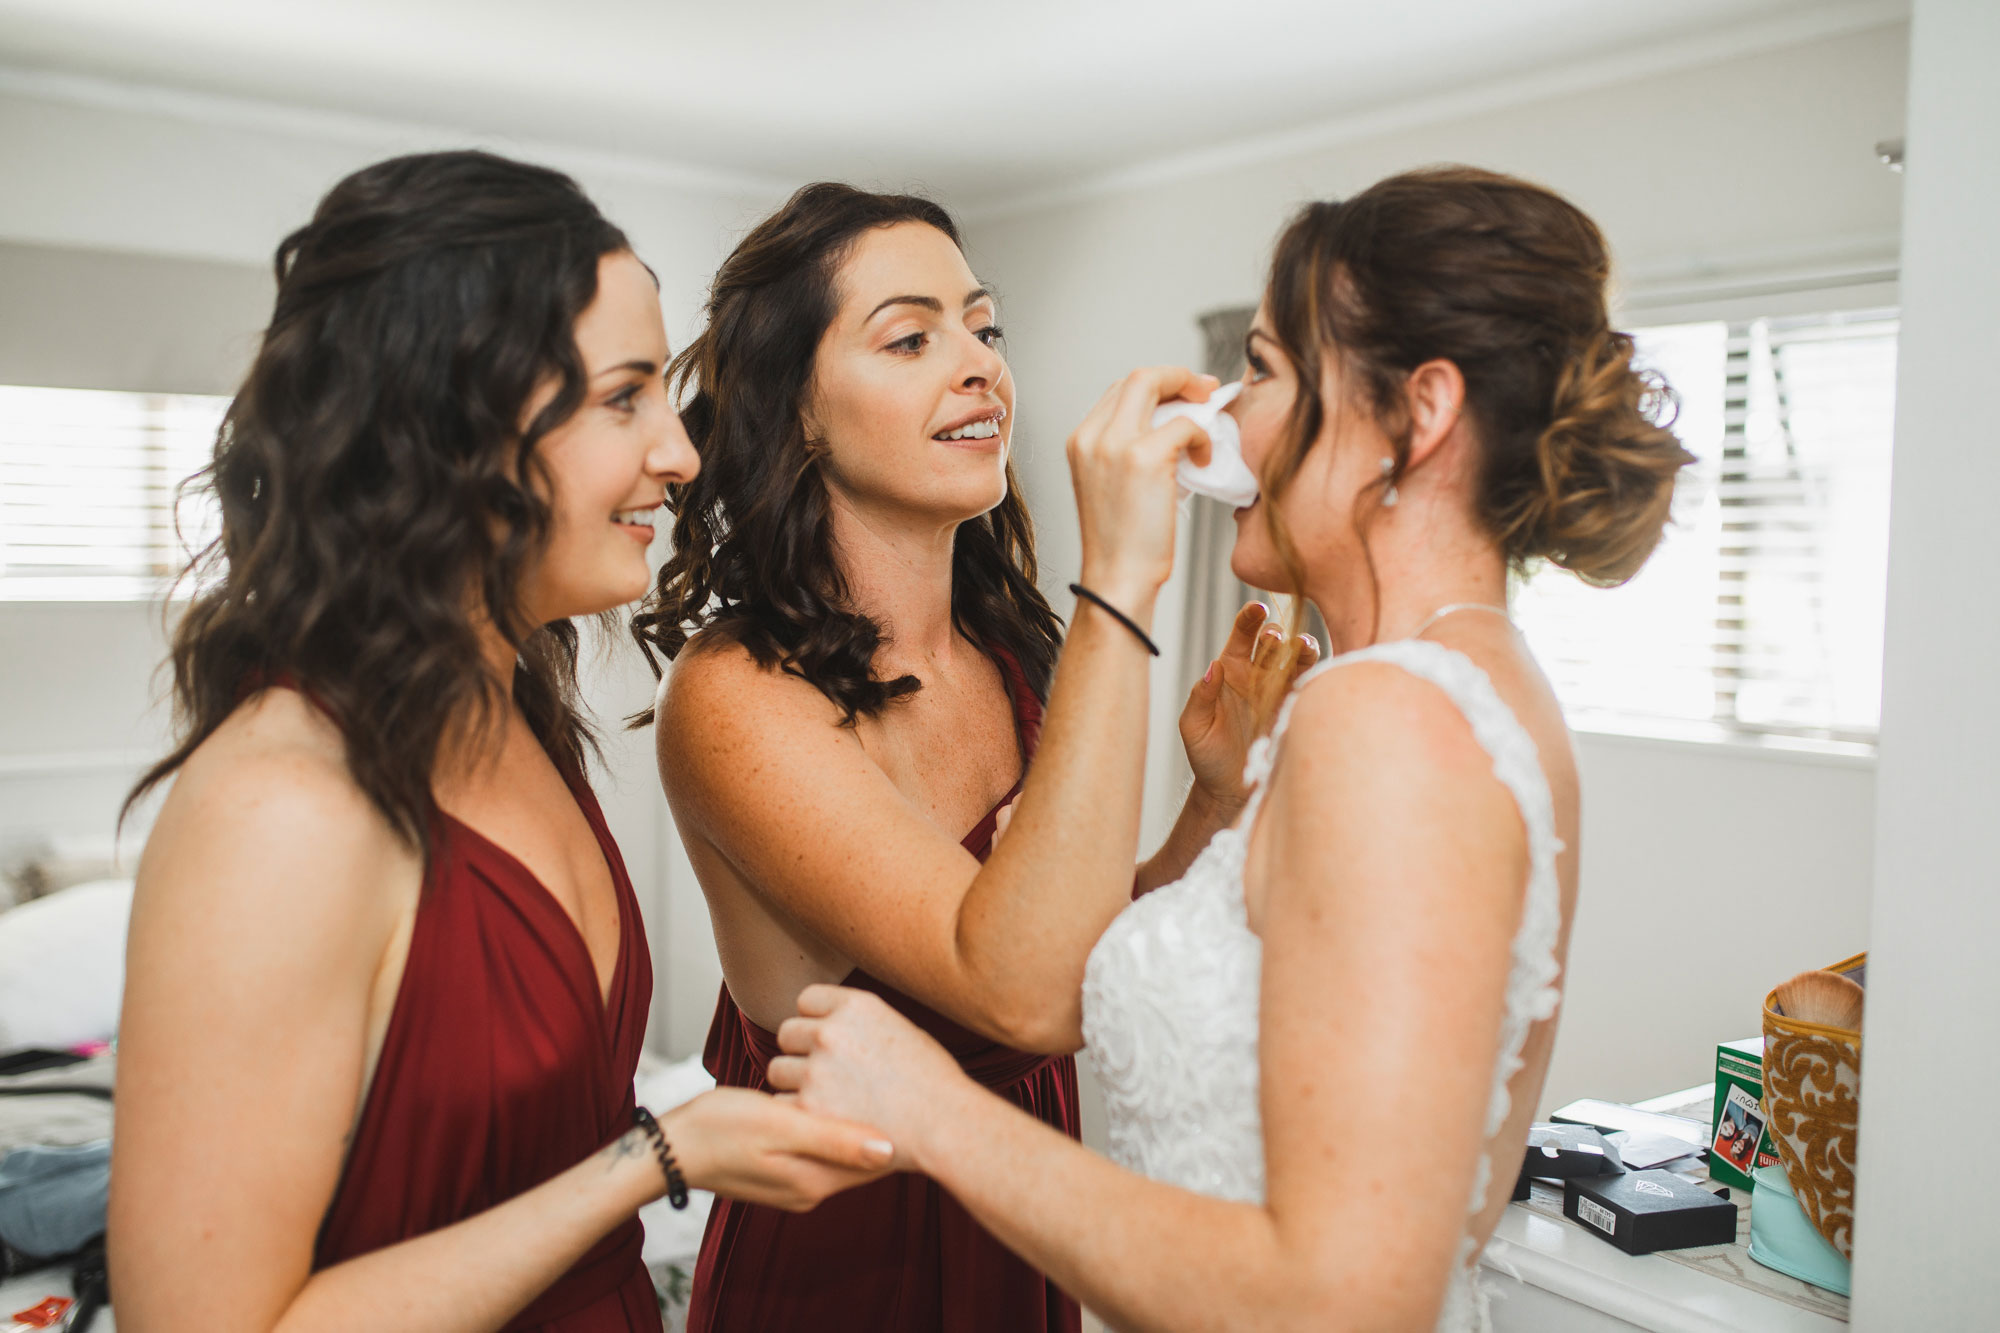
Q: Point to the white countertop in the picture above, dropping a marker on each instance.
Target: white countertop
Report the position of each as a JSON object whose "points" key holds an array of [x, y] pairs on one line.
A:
{"points": [[1649, 1291]]}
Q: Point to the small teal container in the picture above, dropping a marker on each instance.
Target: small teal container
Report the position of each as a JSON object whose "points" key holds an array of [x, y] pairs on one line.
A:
{"points": [[1782, 1238]]}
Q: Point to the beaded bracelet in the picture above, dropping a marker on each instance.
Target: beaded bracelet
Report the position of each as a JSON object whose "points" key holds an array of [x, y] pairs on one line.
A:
{"points": [[1079, 590], [677, 1188]]}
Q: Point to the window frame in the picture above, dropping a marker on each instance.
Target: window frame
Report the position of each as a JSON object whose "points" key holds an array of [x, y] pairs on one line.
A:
{"points": [[1857, 288]]}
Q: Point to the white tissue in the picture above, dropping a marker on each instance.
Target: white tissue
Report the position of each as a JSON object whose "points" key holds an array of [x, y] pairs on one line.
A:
{"points": [[1226, 477]]}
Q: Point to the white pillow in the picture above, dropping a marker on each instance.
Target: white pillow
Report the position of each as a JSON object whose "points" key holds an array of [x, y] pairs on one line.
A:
{"points": [[62, 966]]}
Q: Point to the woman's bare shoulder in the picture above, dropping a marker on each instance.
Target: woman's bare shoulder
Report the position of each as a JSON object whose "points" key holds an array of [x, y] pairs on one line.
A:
{"points": [[1360, 712], [717, 687], [265, 809], [278, 745]]}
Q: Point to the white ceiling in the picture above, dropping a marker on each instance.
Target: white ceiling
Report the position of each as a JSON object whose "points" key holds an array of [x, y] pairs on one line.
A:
{"points": [[978, 101]]}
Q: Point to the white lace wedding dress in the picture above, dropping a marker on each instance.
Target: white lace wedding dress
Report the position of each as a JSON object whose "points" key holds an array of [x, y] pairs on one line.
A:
{"points": [[1170, 994]]}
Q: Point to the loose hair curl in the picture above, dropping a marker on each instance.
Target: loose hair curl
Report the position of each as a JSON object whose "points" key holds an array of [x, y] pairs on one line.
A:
{"points": [[379, 495], [753, 559], [1506, 280]]}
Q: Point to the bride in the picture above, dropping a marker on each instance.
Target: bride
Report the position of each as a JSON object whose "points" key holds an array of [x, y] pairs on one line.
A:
{"points": [[1322, 1046]]}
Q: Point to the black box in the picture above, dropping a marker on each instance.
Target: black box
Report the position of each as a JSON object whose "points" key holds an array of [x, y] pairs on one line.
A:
{"points": [[1561, 1152], [1643, 1211]]}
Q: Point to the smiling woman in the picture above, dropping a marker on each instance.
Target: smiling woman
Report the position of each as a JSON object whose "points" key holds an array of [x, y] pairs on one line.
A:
{"points": [[386, 980]]}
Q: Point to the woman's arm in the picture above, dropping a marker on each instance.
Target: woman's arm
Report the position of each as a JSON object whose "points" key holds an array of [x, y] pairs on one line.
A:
{"points": [[755, 766], [479, 1273], [268, 894], [1384, 978]]}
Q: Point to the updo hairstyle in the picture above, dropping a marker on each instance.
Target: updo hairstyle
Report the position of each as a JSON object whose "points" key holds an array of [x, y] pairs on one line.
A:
{"points": [[1506, 280]]}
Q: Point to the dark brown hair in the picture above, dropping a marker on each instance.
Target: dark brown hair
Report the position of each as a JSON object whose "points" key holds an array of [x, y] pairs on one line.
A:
{"points": [[1506, 280], [377, 489], [753, 557]]}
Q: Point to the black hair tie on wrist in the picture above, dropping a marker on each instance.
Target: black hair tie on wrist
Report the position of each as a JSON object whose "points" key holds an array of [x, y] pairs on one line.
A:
{"points": [[1079, 590], [677, 1186]]}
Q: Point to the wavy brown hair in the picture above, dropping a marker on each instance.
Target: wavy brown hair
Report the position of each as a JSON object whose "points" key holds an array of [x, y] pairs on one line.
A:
{"points": [[380, 496], [1506, 280], [753, 557]]}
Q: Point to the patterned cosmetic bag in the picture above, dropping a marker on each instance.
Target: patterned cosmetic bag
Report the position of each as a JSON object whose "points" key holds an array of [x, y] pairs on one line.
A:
{"points": [[1812, 1101]]}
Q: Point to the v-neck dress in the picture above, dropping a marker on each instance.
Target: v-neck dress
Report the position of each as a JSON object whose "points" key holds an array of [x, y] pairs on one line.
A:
{"points": [[503, 1066], [900, 1255]]}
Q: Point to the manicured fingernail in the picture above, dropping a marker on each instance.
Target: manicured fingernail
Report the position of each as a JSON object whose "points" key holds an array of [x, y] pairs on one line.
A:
{"points": [[1209, 674], [881, 1148]]}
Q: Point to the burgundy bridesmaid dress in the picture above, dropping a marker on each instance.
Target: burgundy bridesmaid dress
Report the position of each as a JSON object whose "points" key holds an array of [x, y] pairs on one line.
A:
{"points": [[900, 1255], [502, 1066]]}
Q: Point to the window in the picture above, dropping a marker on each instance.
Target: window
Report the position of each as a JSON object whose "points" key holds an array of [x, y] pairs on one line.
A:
{"points": [[1761, 613], [88, 483]]}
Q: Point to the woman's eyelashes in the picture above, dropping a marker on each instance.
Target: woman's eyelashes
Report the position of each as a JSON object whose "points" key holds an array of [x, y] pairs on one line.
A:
{"points": [[626, 399], [992, 335]]}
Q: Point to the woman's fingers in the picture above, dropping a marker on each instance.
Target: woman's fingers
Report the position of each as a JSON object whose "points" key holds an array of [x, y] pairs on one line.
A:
{"points": [[1193, 442], [1270, 643], [819, 1000], [1243, 633], [812, 1183], [1144, 390], [844, 1143], [787, 1073], [796, 1036], [1308, 654], [1127, 407]]}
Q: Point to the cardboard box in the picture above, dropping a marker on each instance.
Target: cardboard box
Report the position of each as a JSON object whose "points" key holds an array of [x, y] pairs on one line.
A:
{"points": [[1740, 1137], [1644, 1211]]}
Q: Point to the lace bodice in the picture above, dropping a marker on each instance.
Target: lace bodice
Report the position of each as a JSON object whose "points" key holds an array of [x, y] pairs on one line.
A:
{"points": [[1170, 994]]}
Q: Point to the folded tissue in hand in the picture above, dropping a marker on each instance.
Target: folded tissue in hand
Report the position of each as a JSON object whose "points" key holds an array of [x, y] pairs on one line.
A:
{"points": [[1226, 477]]}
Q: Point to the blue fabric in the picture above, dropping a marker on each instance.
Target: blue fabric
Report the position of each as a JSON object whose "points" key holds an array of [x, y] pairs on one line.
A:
{"points": [[52, 1199]]}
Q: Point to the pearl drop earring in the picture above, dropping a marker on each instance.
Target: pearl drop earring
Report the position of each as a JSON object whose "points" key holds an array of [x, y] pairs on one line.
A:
{"points": [[1389, 496]]}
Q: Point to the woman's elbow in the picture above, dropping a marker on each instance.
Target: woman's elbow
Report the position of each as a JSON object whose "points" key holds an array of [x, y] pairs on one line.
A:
{"points": [[1034, 1025]]}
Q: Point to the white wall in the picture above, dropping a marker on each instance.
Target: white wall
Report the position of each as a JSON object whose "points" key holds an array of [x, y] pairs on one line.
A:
{"points": [[1924, 1226], [1693, 858], [148, 216]]}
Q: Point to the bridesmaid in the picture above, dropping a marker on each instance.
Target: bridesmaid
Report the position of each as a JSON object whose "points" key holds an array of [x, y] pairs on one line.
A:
{"points": [[861, 667], [387, 979]]}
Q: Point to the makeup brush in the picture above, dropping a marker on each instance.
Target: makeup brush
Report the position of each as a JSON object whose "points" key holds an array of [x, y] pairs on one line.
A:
{"points": [[1826, 998]]}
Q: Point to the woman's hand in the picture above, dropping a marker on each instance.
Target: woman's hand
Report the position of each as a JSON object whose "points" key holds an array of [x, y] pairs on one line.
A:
{"points": [[849, 1054], [1126, 495], [768, 1150], [1220, 720]]}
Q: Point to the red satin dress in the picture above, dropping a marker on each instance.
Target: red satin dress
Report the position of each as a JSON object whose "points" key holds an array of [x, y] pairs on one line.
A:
{"points": [[502, 1066], [900, 1255]]}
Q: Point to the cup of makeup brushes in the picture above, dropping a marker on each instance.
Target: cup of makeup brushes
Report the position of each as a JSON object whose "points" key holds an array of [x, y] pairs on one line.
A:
{"points": [[1812, 1090]]}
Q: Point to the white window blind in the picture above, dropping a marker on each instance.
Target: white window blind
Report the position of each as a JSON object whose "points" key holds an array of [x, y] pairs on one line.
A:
{"points": [[88, 483], [1761, 613]]}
